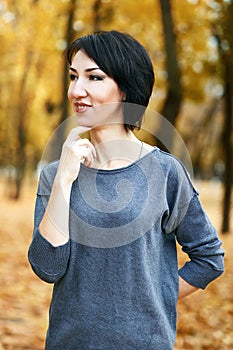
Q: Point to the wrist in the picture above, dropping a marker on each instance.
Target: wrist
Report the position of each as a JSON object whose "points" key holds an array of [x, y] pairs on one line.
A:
{"points": [[62, 185]]}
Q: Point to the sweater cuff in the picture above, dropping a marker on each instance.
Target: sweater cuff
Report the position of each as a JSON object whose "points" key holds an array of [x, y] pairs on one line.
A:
{"points": [[198, 277], [47, 261]]}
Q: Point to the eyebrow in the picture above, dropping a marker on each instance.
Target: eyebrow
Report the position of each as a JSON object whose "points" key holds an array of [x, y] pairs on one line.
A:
{"points": [[86, 70]]}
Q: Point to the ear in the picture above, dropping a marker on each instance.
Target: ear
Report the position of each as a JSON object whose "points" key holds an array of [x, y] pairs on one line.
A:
{"points": [[123, 96]]}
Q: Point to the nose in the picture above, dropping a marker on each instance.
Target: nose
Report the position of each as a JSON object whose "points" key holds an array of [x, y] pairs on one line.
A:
{"points": [[77, 89]]}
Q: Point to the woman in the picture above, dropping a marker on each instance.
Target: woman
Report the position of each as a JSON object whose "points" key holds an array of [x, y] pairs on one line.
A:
{"points": [[109, 213]]}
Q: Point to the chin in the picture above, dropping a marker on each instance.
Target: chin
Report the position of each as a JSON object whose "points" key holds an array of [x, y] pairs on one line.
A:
{"points": [[84, 122]]}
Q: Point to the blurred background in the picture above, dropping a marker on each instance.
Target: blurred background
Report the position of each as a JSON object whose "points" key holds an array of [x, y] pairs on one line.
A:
{"points": [[191, 46]]}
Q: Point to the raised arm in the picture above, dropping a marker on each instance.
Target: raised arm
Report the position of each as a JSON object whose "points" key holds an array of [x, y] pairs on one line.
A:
{"points": [[49, 250], [54, 225]]}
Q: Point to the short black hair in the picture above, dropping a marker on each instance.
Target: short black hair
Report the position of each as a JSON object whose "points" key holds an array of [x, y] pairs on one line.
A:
{"points": [[127, 62]]}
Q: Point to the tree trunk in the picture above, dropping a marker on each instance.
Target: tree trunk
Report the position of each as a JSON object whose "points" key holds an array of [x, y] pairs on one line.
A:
{"points": [[198, 137], [59, 136], [224, 34], [69, 36], [227, 145], [20, 156], [173, 100], [97, 15]]}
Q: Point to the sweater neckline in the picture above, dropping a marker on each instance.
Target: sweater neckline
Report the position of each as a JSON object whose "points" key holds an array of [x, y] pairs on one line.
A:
{"points": [[121, 169]]}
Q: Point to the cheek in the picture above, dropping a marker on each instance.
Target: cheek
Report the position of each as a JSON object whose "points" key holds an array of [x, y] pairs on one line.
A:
{"points": [[69, 93], [114, 95]]}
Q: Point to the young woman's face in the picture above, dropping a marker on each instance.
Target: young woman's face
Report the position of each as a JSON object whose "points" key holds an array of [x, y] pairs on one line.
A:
{"points": [[93, 94]]}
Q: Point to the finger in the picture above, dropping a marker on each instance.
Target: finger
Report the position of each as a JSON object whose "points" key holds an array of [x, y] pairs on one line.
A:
{"points": [[82, 129], [76, 133], [85, 154], [88, 144], [88, 161]]}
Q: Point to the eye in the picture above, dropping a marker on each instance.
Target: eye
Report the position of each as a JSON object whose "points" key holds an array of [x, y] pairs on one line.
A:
{"points": [[73, 77], [95, 77]]}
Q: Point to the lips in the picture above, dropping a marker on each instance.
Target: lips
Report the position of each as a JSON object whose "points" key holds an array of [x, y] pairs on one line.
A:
{"points": [[81, 107]]}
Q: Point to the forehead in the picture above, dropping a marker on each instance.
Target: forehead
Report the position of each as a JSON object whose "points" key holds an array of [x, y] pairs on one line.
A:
{"points": [[82, 61]]}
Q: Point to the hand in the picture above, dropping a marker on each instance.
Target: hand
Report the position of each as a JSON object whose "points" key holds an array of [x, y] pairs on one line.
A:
{"points": [[75, 150], [185, 288]]}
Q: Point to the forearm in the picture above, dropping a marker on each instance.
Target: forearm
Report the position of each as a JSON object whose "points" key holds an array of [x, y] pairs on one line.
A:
{"points": [[54, 226], [49, 250], [185, 288], [199, 240]]}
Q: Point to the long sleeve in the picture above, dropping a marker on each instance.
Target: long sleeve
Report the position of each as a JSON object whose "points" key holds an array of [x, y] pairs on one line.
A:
{"points": [[200, 241], [186, 219], [48, 262]]}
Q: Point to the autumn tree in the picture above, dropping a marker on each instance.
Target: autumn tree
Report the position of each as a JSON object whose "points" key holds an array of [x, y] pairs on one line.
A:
{"points": [[58, 137], [19, 99], [176, 34], [224, 33], [173, 99]]}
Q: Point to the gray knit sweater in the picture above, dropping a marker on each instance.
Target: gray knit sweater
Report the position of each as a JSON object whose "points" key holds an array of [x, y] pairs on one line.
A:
{"points": [[116, 280]]}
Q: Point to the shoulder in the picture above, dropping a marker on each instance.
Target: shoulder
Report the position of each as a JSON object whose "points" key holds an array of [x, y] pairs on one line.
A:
{"points": [[167, 162], [170, 164], [50, 169], [47, 176], [176, 177]]}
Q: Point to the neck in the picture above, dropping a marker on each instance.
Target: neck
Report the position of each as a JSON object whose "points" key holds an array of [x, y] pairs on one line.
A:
{"points": [[115, 147], [110, 132]]}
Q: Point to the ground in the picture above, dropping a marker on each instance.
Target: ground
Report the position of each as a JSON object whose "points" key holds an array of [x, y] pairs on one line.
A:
{"points": [[205, 319]]}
